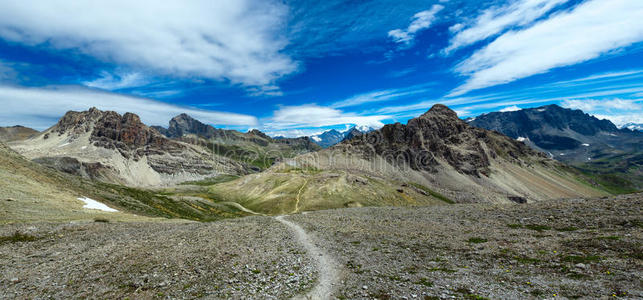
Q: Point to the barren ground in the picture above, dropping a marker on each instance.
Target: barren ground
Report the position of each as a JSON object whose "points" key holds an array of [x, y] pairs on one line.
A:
{"points": [[565, 248]]}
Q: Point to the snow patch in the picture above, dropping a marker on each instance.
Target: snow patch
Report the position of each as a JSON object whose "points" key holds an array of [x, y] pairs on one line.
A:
{"points": [[586, 145], [63, 145], [521, 139], [562, 154], [316, 138], [613, 134], [93, 204], [541, 109], [83, 147]]}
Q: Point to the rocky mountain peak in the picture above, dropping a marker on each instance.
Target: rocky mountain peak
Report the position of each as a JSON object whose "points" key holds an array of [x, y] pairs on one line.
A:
{"points": [[439, 135], [440, 110]]}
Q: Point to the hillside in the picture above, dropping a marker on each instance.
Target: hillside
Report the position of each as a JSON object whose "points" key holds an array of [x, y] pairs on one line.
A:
{"points": [[433, 159], [105, 146], [610, 155], [253, 149], [16, 133]]}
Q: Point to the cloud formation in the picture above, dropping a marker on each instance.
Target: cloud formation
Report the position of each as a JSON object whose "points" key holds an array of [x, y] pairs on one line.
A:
{"points": [[497, 19], [591, 29], [419, 21], [239, 41], [41, 108], [311, 115]]}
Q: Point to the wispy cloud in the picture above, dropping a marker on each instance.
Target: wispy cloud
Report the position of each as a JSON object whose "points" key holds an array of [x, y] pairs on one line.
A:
{"points": [[109, 81], [419, 21], [497, 19], [42, 107], [591, 105], [561, 40], [239, 41], [381, 95], [315, 116]]}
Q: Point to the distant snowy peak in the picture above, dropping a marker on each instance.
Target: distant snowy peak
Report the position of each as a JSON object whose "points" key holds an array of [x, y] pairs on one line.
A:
{"points": [[332, 137], [633, 126]]}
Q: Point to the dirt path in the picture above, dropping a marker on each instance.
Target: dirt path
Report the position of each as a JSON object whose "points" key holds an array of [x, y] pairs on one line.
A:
{"points": [[326, 266], [299, 196]]}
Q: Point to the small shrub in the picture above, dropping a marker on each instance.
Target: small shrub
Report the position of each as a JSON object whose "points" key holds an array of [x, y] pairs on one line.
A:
{"points": [[477, 240], [17, 237], [101, 220], [537, 227]]}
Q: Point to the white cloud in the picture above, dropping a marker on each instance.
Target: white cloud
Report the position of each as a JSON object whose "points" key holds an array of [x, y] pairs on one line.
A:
{"points": [[380, 96], [107, 81], [234, 40], [592, 105], [42, 107], [420, 21], [621, 119], [496, 19], [591, 29], [510, 108], [314, 116]]}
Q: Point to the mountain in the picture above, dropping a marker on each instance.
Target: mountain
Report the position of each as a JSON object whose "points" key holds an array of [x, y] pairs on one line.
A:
{"points": [[332, 137], [254, 149], [16, 133], [566, 135], [633, 126], [328, 138], [435, 158], [106, 146], [572, 136]]}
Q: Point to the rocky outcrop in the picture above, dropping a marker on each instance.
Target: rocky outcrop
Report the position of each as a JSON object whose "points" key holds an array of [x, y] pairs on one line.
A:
{"points": [[438, 135]]}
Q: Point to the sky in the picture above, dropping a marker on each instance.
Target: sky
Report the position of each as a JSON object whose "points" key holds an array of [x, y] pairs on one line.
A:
{"points": [[292, 68]]}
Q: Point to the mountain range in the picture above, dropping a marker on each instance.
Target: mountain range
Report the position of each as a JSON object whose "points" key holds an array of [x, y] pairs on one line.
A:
{"points": [[332, 137], [574, 137], [434, 158]]}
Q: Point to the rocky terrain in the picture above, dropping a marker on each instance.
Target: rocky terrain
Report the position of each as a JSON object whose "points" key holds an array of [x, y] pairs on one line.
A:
{"points": [[16, 133], [557, 249], [109, 147], [433, 159], [595, 146]]}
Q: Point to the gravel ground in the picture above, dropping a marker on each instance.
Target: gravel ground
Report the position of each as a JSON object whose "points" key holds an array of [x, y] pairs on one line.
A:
{"points": [[251, 258], [556, 249]]}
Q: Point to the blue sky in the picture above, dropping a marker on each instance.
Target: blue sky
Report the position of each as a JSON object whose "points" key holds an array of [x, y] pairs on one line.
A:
{"points": [[300, 67]]}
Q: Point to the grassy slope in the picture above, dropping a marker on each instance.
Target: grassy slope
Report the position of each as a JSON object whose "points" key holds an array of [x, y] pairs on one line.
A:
{"points": [[617, 174], [293, 190], [32, 192]]}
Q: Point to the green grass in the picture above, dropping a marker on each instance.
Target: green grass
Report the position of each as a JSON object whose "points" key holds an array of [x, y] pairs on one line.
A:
{"points": [[514, 226], [565, 229], [211, 180], [537, 227], [476, 240], [17, 237], [433, 193]]}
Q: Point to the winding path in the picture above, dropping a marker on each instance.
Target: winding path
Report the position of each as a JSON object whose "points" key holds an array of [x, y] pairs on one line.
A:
{"points": [[326, 266]]}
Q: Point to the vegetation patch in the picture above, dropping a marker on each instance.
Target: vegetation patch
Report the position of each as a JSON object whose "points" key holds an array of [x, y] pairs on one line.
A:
{"points": [[18, 237], [569, 228], [212, 180], [537, 227], [477, 240], [433, 193]]}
